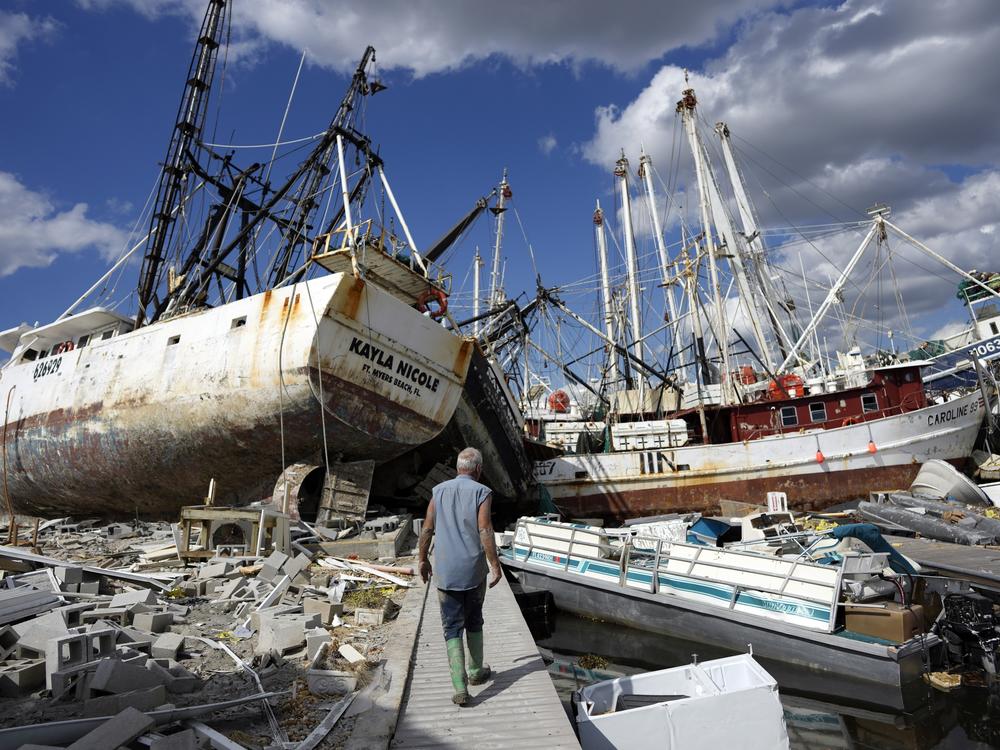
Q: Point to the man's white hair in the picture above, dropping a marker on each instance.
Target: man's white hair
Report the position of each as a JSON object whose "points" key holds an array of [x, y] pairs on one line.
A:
{"points": [[469, 460]]}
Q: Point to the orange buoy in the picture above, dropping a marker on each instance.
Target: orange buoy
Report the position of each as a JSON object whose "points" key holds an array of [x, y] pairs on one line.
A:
{"points": [[871, 447], [820, 458], [559, 402]]}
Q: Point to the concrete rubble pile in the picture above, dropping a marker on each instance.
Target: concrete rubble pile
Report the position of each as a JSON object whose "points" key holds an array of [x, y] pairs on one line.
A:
{"points": [[109, 640]]}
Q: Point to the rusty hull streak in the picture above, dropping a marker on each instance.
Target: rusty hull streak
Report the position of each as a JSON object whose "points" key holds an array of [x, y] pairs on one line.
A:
{"points": [[805, 492]]}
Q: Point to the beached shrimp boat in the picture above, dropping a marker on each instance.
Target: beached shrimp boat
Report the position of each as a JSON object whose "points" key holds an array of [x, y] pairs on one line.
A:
{"points": [[231, 367]]}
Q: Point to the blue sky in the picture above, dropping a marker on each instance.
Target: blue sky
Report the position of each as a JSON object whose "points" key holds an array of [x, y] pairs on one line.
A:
{"points": [[862, 101]]}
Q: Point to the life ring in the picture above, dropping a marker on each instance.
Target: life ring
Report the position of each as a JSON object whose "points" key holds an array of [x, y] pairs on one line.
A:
{"points": [[65, 346], [848, 421], [435, 295], [559, 402]]}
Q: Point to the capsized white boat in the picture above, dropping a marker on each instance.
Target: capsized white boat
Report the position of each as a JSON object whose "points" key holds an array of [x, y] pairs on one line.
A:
{"points": [[724, 703]]}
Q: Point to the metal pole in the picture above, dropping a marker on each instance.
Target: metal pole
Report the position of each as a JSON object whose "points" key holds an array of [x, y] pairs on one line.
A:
{"points": [[477, 263], [495, 286], [621, 171], [831, 295], [609, 314], [645, 171], [343, 186], [686, 107], [402, 221]]}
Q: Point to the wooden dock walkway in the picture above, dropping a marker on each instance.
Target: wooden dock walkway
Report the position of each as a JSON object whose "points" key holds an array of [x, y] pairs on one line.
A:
{"points": [[518, 707], [981, 564]]}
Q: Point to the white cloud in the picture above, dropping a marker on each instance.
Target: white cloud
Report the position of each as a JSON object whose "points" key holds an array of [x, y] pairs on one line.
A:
{"points": [[427, 37], [33, 232], [16, 28], [547, 144]]}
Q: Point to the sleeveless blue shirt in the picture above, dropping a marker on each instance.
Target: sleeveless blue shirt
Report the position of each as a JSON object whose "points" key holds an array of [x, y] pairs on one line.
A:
{"points": [[459, 560]]}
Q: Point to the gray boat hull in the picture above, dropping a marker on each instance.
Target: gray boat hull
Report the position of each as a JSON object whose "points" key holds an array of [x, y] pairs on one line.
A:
{"points": [[890, 666]]}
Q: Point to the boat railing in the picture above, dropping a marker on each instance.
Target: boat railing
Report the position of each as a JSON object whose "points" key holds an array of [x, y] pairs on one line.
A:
{"points": [[633, 558]]}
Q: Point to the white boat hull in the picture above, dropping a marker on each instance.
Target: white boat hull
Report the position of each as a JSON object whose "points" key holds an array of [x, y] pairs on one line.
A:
{"points": [[140, 422], [696, 477]]}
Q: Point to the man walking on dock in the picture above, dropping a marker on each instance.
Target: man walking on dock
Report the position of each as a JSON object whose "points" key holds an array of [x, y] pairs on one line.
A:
{"points": [[460, 513]]}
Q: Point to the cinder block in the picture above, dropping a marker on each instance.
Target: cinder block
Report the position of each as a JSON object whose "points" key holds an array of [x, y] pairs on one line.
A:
{"points": [[218, 570], [276, 559], [186, 740], [33, 635], [128, 598], [113, 676], [262, 614], [67, 574], [64, 652], [8, 641], [90, 587], [119, 615], [325, 609], [167, 646], [296, 565], [101, 643], [280, 634], [176, 679], [153, 622], [21, 676], [268, 573], [119, 730], [109, 705], [73, 613], [231, 587]]}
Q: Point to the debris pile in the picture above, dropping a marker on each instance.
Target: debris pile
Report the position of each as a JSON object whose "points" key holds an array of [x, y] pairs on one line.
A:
{"points": [[137, 634]]}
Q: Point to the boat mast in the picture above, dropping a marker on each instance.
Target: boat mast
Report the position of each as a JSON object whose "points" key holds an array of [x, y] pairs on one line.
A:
{"points": [[686, 108], [645, 172], [306, 199], [621, 172], [751, 232], [608, 305], [477, 264], [187, 131], [701, 364], [496, 288]]}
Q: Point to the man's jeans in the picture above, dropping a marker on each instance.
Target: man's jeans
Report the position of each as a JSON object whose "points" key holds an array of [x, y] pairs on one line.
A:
{"points": [[462, 610]]}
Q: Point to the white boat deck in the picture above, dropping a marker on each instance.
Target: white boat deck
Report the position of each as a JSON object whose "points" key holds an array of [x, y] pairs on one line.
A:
{"points": [[518, 707]]}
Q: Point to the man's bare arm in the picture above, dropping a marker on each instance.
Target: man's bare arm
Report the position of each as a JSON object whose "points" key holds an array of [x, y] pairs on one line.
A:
{"points": [[426, 536], [488, 540]]}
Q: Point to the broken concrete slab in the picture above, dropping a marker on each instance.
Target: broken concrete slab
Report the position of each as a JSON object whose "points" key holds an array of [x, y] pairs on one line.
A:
{"points": [[128, 598], [350, 653], [176, 679], [330, 681], [117, 731], [316, 638]]}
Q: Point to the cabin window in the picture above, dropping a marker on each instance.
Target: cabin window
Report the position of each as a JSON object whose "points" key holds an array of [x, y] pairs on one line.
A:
{"points": [[29, 355], [43, 353], [869, 402], [173, 340], [817, 412], [83, 340], [789, 417], [106, 335], [993, 327], [239, 322]]}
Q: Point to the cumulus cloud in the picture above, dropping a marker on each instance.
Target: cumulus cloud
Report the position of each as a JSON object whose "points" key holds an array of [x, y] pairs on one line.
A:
{"points": [[425, 37], [835, 108], [547, 144], [33, 232], [16, 28]]}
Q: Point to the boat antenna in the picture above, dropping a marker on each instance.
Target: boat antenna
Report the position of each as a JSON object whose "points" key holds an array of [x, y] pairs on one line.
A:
{"points": [[187, 129]]}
